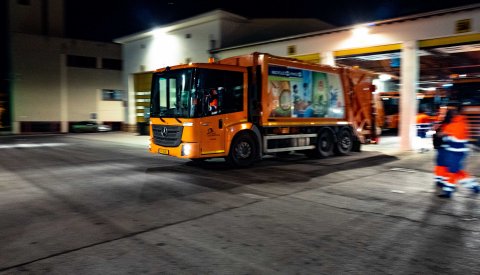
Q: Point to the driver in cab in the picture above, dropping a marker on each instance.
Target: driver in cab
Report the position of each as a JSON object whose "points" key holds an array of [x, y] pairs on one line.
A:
{"points": [[213, 102]]}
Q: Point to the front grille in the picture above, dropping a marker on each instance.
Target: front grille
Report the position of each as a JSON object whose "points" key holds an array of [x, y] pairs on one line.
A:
{"points": [[168, 136]]}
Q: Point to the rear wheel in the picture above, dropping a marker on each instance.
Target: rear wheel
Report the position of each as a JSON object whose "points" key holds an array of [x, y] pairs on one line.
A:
{"points": [[325, 145], [345, 141], [243, 151]]}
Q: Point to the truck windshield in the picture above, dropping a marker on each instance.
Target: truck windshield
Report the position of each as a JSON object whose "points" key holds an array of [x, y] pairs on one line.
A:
{"points": [[197, 92], [173, 94]]}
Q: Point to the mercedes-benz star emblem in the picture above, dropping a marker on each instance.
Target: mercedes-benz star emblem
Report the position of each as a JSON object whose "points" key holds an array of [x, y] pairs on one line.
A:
{"points": [[164, 132]]}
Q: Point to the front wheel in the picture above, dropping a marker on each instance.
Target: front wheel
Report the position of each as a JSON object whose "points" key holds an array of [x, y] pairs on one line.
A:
{"points": [[243, 151]]}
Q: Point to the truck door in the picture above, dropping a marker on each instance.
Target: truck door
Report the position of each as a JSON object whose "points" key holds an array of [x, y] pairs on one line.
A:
{"points": [[222, 95], [212, 130]]}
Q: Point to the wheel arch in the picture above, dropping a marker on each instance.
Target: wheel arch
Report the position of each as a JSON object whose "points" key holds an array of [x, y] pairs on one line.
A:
{"points": [[239, 129]]}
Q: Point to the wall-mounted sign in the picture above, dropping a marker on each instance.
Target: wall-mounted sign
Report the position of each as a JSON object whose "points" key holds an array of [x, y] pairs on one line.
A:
{"points": [[464, 25]]}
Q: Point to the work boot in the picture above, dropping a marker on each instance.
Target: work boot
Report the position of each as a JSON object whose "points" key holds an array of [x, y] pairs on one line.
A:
{"points": [[447, 191], [439, 183]]}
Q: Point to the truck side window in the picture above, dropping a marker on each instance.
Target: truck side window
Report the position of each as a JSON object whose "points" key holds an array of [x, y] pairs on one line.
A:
{"points": [[223, 91], [232, 95]]}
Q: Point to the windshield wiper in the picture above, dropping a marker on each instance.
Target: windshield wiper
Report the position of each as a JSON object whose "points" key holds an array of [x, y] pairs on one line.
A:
{"points": [[176, 118], [170, 113], [160, 114], [157, 115]]}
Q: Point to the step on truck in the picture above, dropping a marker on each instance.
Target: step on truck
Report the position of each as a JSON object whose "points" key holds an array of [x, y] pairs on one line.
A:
{"points": [[243, 108]]}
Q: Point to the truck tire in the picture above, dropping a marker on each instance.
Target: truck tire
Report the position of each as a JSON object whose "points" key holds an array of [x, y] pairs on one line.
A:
{"points": [[243, 151], [344, 141], [325, 143]]}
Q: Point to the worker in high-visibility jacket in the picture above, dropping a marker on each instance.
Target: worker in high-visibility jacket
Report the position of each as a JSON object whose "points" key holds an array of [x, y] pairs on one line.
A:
{"points": [[453, 154], [441, 170]]}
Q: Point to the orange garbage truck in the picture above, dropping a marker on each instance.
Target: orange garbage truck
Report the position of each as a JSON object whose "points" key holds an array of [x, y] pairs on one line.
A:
{"points": [[467, 92], [243, 108], [428, 104]]}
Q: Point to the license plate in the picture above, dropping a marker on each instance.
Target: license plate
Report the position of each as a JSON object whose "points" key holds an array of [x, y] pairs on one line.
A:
{"points": [[163, 151]]}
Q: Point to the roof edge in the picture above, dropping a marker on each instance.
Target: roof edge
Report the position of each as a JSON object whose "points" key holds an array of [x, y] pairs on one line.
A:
{"points": [[180, 24], [346, 28]]}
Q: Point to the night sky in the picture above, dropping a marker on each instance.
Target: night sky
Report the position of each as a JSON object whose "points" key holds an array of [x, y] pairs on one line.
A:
{"points": [[105, 20]]}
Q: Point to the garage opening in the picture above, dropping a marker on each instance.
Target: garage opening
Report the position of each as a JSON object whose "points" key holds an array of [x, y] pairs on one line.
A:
{"points": [[451, 71], [386, 61]]}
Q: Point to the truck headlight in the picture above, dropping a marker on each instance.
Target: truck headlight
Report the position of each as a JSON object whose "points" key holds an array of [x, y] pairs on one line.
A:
{"points": [[186, 149]]}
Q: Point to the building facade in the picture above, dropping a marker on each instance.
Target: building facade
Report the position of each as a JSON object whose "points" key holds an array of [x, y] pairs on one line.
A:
{"points": [[56, 81]]}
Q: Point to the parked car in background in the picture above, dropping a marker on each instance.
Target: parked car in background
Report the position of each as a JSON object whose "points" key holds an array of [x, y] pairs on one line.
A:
{"points": [[89, 127], [103, 128]]}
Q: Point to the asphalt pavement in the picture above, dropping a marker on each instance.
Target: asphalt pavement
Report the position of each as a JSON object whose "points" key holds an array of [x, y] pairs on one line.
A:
{"points": [[101, 204]]}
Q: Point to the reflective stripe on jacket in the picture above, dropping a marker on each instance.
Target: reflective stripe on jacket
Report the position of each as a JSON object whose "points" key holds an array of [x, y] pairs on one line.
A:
{"points": [[456, 134]]}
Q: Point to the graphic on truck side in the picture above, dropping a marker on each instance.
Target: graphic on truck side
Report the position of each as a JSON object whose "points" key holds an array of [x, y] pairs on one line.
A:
{"points": [[304, 93]]}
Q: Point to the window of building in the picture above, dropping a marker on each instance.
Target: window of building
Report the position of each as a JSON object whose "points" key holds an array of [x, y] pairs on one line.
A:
{"points": [[112, 95], [111, 64], [81, 61]]}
